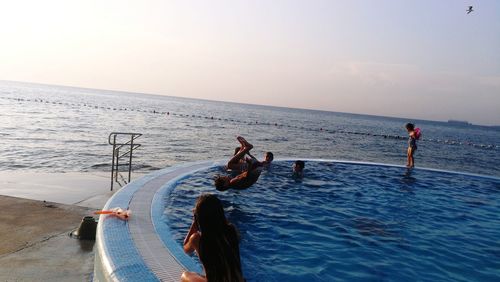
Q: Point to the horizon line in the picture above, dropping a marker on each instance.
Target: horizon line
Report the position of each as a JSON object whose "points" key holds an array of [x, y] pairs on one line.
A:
{"points": [[251, 104]]}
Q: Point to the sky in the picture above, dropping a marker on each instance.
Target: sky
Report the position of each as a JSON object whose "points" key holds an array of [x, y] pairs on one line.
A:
{"points": [[422, 59]]}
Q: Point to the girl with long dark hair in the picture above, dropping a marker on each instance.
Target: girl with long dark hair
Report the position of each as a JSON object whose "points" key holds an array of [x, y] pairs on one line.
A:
{"points": [[216, 242]]}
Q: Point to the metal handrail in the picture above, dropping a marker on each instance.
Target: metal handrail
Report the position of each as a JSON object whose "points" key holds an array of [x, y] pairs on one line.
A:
{"points": [[131, 146], [133, 135], [126, 153]]}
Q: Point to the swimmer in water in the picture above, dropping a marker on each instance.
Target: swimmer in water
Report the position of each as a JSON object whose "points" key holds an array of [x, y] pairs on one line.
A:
{"points": [[250, 169], [298, 169]]}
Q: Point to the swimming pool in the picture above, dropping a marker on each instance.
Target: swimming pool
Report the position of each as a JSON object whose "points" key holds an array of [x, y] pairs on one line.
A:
{"points": [[352, 221]]}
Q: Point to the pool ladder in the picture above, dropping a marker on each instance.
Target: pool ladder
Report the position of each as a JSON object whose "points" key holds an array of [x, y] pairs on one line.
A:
{"points": [[127, 149]]}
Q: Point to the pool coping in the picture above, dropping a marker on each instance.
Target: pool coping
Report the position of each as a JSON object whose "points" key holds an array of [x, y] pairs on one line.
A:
{"points": [[133, 250]]}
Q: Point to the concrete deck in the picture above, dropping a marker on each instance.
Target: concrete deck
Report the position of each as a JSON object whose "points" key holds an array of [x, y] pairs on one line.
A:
{"points": [[35, 245], [38, 212], [82, 189]]}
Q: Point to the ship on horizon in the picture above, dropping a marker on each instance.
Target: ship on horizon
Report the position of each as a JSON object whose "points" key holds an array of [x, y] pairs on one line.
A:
{"points": [[459, 122]]}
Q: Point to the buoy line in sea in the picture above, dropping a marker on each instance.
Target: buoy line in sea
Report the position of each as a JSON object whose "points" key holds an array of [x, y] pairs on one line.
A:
{"points": [[255, 122]]}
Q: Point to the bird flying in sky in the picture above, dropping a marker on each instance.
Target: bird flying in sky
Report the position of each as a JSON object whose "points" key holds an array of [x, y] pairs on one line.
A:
{"points": [[469, 10]]}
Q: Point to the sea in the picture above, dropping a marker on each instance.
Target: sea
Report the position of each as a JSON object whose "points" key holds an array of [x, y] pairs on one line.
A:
{"points": [[46, 128]]}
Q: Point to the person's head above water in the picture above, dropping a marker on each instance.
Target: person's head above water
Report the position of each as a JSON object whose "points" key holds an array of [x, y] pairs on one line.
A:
{"points": [[269, 157], [221, 182], [410, 127], [298, 166]]}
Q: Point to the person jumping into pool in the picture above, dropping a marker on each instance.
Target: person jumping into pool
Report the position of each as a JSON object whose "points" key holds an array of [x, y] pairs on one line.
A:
{"points": [[268, 159], [413, 136], [216, 242], [250, 169]]}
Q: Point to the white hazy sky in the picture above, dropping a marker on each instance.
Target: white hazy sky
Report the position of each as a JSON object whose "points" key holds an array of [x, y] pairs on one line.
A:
{"points": [[423, 59]]}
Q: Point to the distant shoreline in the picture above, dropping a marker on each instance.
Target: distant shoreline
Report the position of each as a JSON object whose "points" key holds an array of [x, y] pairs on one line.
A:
{"points": [[459, 122]]}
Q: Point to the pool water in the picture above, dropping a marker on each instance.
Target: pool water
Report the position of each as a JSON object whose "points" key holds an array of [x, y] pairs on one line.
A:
{"points": [[356, 222]]}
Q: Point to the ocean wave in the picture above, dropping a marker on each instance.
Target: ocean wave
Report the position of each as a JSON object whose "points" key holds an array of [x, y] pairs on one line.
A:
{"points": [[44, 125], [124, 166]]}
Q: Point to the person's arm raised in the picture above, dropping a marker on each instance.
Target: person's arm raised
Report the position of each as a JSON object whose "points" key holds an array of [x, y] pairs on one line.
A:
{"points": [[191, 242]]}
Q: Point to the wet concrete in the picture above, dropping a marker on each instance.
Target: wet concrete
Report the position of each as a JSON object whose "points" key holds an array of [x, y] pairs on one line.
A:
{"points": [[55, 258], [38, 211], [35, 244]]}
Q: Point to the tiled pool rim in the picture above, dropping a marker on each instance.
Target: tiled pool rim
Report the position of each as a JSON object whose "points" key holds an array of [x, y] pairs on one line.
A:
{"points": [[133, 251]]}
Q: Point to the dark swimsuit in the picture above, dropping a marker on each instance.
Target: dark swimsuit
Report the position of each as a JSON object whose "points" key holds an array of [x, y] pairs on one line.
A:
{"points": [[412, 143]]}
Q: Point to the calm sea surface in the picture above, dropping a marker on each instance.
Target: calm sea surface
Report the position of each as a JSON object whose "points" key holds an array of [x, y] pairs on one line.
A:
{"points": [[64, 129]]}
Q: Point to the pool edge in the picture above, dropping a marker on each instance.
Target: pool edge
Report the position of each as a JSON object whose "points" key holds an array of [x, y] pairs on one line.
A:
{"points": [[111, 266]]}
